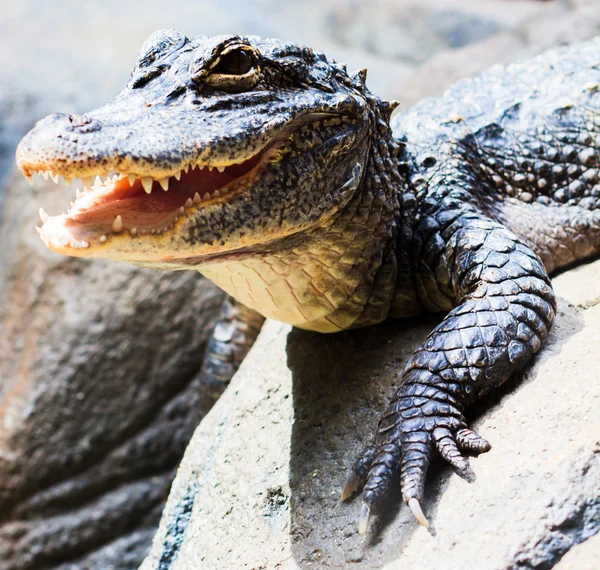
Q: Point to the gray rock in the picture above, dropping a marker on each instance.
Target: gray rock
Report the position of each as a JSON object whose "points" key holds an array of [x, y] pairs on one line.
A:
{"points": [[98, 395], [414, 31], [584, 556], [549, 24], [263, 472]]}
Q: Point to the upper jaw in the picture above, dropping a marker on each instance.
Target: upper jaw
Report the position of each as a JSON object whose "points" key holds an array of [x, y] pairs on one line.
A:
{"points": [[67, 155], [79, 147]]}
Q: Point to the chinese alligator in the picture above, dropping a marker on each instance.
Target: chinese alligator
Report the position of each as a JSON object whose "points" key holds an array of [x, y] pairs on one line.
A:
{"points": [[276, 174]]}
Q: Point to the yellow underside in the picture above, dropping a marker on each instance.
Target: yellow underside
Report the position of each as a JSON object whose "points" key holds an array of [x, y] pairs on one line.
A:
{"points": [[270, 288]]}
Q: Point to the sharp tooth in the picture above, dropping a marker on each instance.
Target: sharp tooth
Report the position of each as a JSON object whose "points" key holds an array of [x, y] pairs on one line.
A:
{"points": [[30, 179], [177, 175], [117, 225], [189, 203], [98, 181], [54, 177], [197, 198], [43, 215], [186, 168], [131, 179], [147, 184], [102, 239], [181, 210], [210, 168], [164, 182], [221, 168], [133, 231], [216, 194], [87, 182], [45, 174], [67, 181], [71, 204], [38, 230]]}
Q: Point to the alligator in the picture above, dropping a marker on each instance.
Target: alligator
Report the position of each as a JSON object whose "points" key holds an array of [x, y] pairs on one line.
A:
{"points": [[274, 172]]}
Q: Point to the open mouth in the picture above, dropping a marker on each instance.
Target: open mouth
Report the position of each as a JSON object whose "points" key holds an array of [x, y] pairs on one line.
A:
{"points": [[125, 203], [141, 206]]}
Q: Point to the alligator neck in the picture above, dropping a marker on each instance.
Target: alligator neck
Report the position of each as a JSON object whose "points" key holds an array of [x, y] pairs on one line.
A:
{"points": [[339, 275]]}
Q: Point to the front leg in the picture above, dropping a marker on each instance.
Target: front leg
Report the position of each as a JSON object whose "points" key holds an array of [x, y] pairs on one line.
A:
{"points": [[506, 307], [234, 334]]}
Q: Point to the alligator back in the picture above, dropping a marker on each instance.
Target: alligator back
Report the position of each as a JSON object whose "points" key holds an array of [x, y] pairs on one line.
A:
{"points": [[529, 135]]}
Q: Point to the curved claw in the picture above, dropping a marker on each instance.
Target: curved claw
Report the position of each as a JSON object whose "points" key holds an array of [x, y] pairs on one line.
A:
{"points": [[415, 507], [364, 519], [350, 486]]}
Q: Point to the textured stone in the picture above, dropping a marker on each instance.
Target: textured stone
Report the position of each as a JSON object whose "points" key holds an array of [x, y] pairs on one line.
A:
{"points": [[584, 556], [97, 394], [425, 28], [268, 462], [549, 24]]}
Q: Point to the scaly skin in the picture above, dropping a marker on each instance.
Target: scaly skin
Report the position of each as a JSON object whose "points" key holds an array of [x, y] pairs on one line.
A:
{"points": [[234, 334], [340, 223]]}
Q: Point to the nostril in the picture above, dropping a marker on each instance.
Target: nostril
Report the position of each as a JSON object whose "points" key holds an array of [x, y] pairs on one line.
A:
{"points": [[79, 120], [83, 124]]}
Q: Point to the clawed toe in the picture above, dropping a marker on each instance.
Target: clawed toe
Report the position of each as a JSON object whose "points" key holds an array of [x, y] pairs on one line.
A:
{"points": [[364, 519], [360, 472], [472, 443], [378, 468]]}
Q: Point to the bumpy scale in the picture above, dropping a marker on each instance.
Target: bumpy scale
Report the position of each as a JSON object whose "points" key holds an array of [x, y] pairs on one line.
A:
{"points": [[276, 174]]}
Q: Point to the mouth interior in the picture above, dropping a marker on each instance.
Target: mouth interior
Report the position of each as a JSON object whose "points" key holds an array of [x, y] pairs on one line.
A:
{"points": [[144, 206]]}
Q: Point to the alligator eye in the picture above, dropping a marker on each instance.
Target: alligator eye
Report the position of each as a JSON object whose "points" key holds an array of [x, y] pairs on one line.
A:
{"points": [[236, 71], [235, 62]]}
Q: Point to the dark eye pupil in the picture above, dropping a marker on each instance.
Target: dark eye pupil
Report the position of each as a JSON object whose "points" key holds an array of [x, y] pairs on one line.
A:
{"points": [[234, 63]]}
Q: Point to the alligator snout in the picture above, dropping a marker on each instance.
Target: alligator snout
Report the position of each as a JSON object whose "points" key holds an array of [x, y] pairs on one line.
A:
{"points": [[55, 141]]}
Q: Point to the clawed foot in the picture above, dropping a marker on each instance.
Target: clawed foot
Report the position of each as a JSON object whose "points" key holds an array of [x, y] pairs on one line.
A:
{"points": [[404, 445]]}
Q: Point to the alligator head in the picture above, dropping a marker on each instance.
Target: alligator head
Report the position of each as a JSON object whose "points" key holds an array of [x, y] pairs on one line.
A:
{"points": [[216, 146]]}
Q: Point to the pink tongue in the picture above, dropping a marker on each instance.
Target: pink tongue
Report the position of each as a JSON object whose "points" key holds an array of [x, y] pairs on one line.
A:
{"points": [[134, 211], [149, 211]]}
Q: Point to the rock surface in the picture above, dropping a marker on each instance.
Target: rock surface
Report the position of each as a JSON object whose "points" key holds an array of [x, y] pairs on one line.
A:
{"points": [[98, 360], [552, 24], [98, 398], [260, 480]]}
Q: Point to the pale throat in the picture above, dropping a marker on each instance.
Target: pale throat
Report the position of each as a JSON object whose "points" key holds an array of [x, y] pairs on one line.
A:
{"points": [[314, 286]]}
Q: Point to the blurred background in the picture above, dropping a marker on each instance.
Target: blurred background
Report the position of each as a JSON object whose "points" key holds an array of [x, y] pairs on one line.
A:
{"points": [[98, 361]]}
